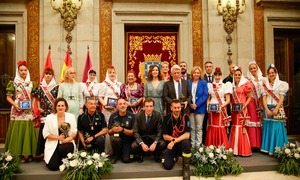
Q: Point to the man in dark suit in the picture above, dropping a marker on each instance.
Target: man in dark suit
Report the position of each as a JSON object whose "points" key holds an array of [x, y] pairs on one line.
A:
{"points": [[177, 88], [147, 131], [208, 76], [184, 74]]}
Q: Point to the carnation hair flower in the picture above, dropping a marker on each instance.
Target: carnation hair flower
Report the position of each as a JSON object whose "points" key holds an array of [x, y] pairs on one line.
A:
{"points": [[218, 69], [237, 68], [271, 66], [111, 67], [287, 151], [8, 158], [251, 62], [22, 63]]}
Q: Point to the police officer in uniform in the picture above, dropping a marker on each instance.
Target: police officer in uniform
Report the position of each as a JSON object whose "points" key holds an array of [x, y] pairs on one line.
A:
{"points": [[121, 130], [176, 132], [92, 128]]}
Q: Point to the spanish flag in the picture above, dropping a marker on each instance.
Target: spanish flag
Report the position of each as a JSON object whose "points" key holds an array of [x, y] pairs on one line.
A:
{"points": [[68, 62]]}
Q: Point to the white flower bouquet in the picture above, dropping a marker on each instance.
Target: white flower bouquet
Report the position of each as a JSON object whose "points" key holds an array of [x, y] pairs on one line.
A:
{"points": [[9, 165], [289, 159], [210, 161], [83, 166]]}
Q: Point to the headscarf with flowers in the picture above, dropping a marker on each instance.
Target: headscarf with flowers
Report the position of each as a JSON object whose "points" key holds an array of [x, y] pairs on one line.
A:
{"points": [[258, 72], [243, 79], [18, 78], [277, 82]]}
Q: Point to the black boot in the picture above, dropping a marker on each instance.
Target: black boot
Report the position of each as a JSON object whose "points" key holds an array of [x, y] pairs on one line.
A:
{"points": [[186, 168]]}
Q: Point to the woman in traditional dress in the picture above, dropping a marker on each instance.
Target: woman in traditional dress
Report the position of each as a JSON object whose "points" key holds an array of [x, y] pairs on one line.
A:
{"points": [[198, 106], [273, 132], [165, 71], [218, 120], [133, 93], [253, 126], [90, 88], [71, 91], [241, 97], [46, 94], [59, 131], [109, 91], [20, 137], [154, 88]]}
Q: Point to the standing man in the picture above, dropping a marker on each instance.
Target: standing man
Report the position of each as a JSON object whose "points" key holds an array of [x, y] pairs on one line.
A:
{"points": [[229, 78], [176, 132], [184, 74], [92, 128], [121, 130], [148, 132], [177, 88], [208, 76]]}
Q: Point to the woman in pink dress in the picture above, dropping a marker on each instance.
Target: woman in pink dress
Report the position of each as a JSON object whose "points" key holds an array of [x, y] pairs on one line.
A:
{"points": [[219, 93], [253, 126], [241, 97]]}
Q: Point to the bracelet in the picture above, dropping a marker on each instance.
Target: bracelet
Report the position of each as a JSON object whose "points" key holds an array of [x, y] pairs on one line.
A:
{"points": [[123, 130]]}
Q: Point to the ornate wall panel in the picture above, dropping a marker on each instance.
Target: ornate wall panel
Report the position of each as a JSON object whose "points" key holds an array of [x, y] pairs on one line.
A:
{"points": [[259, 36], [197, 33], [105, 36], [33, 39]]}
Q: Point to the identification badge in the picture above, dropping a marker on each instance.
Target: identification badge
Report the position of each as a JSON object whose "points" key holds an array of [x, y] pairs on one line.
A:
{"points": [[25, 104]]}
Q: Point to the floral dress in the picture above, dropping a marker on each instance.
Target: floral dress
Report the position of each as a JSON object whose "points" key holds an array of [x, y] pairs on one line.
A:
{"points": [[132, 93], [20, 137]]}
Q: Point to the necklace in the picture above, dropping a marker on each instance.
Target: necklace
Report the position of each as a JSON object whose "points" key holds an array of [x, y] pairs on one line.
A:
{"points": [[91, 122]]}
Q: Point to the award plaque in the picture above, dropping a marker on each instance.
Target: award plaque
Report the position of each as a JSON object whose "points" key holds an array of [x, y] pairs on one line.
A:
{"points": [[25, 104], [112, 102], [132, 100], [65, 128], [213, 107], [237, 107]]}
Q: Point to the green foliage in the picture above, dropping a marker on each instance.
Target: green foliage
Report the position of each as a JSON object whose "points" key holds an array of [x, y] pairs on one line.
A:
{"points": [[214, 162], [84, 166], [9, 165], [289, 159]]}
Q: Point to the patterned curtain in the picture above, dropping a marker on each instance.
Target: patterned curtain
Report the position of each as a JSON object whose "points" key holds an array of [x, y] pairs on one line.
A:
{"points": [[150, 47]]}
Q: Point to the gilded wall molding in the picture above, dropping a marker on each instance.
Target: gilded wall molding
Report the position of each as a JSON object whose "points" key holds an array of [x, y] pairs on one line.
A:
{"points": [[33, 38], [197, 33], [105, 36], [259, 36]]}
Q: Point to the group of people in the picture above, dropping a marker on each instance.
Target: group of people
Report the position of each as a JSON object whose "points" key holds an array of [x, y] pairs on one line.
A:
{"points": [[172, 112]]}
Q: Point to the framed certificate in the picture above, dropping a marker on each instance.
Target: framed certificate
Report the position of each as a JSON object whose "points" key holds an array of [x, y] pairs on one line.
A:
{"points": [[237, 107], [132, 100], [112, 102], [213, 107], [25, 104]]}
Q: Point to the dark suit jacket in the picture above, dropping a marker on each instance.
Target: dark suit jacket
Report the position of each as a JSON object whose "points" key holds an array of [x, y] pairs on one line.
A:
{"points": [[152, 131], [170, 94], [206, 78], [187, 76]]}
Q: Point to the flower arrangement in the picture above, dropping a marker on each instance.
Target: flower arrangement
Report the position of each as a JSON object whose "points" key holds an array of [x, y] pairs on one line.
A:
{"points": [[289, 159], [9, 165], [83, 166], [210, 161]]}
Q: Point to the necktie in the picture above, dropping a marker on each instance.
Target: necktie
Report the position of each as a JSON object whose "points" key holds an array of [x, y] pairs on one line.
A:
{"points": [[179, 89], [148, 120], [209, 79]]}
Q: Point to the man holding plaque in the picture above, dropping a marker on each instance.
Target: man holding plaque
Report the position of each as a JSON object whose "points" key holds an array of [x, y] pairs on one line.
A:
{"points": [[92, 127], [121, 130], [177, 88], [147, 132]]}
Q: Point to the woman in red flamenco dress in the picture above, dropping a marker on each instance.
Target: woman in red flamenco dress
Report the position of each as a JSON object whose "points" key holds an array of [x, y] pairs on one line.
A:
{"points": [[241, 97], [219, 93]]}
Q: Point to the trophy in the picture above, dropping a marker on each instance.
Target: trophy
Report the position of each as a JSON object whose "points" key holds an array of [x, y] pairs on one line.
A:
{"points": [[116, 124], [182, 99], [87, 135], [65, 128]]}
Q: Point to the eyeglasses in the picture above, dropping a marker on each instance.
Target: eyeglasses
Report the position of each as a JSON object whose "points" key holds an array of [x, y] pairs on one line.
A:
{"points": [[72, 72], [48, 73]]}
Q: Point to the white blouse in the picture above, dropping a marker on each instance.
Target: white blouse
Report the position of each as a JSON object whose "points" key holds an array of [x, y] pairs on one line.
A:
{"points": [[222, 89]]}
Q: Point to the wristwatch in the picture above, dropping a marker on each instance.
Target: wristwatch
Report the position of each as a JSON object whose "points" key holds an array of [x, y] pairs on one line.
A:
{"points": [[173, 139]]}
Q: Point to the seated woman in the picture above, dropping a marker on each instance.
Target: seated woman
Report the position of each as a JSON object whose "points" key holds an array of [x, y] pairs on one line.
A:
{"points": [[59, 131]]}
